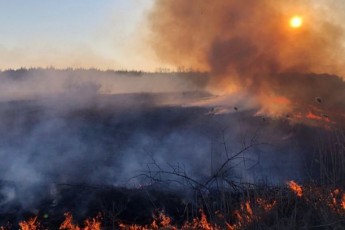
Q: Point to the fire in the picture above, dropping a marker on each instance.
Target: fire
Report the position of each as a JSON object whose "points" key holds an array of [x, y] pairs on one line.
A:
{"points": [[274, 106], [337, 201], [296, 22], [243, 216], [249, 208], [313, 116], [297, 189], [162, 221], [31, 224], [249, 212], [90, 224], [68, 223], [204, 224], [343, 201], [266, 205], [165, 221]]}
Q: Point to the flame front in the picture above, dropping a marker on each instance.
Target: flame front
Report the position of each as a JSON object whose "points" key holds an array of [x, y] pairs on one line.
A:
{"points": [[248, 213]]}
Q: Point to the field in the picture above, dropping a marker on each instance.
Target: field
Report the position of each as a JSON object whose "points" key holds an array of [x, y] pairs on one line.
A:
{"points": [[93, 155]]}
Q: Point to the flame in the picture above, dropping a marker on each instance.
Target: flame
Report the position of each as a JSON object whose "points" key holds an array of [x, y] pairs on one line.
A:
{"points": [[249, 208], [200, 223], [68, 223], [297, 189], [313, 116], [249, 212], [31, 224], [204, 223], [343, 201], [90, 224], [165, 221], [244, 216], [162, 221]]}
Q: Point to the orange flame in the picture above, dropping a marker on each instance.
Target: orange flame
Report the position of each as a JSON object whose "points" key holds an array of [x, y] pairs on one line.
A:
{"points": [[297, 189], [162, 221], [343, 201], [248, 213], [68, 223], [243, 216], [313, 116], [249, 208], [31, 224], [200, 223], [90, 224], [204, 223], [165, 221]]}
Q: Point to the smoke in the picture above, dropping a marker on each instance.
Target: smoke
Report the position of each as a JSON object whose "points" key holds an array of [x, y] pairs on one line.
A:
{"points": [[250, 46], [84, 127], [94, 128], [103, 128]]}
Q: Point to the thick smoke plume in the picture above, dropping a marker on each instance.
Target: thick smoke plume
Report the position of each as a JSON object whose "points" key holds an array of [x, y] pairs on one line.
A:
{"points": [[250, 45]]}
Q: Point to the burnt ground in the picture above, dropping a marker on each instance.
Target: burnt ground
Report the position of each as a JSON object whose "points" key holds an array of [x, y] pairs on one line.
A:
{"points": [[84, 158]]}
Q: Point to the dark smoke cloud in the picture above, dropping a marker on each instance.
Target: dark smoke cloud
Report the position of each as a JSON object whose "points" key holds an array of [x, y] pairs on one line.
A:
{"points": [[250, 45]]}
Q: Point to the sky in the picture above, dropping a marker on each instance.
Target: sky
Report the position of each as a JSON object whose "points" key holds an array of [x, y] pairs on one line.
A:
{"points": [[104, 34]]}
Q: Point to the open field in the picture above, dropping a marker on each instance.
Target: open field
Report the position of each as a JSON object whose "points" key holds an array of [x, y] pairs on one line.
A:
{"points": [[132, 158]]}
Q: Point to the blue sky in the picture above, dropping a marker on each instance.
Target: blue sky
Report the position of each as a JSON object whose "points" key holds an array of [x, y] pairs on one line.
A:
{"points": [[72, 33]]}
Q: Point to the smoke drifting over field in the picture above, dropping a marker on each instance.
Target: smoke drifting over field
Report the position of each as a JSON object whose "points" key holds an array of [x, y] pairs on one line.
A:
{"points": [[250, 46], [69, 130], [87, 126]]}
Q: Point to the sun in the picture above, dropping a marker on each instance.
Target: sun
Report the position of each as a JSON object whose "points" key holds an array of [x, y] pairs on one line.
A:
{"points": [[296, 22]]}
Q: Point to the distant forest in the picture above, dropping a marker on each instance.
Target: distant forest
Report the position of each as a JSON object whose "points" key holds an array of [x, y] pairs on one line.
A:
{"points": [[22, 72]]}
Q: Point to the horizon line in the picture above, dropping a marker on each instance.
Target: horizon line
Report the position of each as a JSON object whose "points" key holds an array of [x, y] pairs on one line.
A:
{"points": [[122, 70]]}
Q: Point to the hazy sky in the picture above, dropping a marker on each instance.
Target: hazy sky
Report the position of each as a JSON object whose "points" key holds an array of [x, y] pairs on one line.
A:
{"points": [[89, 33], [73, 33]]}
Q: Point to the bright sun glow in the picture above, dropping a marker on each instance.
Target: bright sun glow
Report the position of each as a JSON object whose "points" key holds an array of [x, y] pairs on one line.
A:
{"points": [[296, 22]]}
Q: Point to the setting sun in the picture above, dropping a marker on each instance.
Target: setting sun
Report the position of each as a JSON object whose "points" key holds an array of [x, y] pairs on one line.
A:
{"points": [[296, 22]]}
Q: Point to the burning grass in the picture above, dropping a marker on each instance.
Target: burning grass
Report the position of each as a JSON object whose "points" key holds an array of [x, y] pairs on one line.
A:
{"points": [[234, 207], [287, 207], [296, 188], [67, 224]]}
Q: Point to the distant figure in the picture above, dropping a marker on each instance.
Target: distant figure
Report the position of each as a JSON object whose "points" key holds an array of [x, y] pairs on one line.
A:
{"points": [[318, 100], [235, 108]]}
